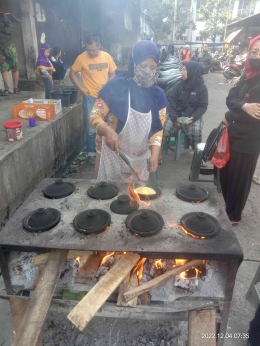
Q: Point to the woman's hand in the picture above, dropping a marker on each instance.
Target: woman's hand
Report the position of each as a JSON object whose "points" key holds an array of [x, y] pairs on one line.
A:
{"points": [[191, 120], [152, 163], [224, 121], [252, 109], [112, 139], [177, 125]]}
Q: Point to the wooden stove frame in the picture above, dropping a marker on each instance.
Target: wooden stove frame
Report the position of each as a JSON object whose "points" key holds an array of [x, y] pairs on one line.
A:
{"points": [[32, 317]]}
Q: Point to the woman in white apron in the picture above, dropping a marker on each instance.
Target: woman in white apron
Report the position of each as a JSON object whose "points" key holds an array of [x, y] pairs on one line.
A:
{"points": [[128, 117]]}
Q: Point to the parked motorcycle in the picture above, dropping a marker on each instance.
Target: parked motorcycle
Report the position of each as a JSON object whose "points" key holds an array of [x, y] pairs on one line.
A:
{"points": [[218, 62], [235, 69]]}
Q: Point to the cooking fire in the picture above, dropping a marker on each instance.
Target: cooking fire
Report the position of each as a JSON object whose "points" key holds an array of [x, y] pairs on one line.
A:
{"points": [[147, 269]]}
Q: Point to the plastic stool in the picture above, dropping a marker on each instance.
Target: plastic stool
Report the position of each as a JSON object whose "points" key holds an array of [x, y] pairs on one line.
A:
{"points": [[180, 140], [252, 293], [196, 169]]}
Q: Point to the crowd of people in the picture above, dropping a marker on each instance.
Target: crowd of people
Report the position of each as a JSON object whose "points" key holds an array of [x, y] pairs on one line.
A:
{"points": [[130, 114]]}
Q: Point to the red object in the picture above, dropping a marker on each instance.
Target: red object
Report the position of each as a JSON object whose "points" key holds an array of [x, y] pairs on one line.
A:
{"points": [[13, 131], [236, 67], [248, 69], [222, 152], [12, 124]]}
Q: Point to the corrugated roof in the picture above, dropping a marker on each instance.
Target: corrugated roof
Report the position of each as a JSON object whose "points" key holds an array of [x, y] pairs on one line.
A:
{"points": [[249, 21]]}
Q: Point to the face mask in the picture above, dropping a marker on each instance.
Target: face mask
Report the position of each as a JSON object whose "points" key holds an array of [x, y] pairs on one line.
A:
{"points": [[144, 79], [255, 64]]}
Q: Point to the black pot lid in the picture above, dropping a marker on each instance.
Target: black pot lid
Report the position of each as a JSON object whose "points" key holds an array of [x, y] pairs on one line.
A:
{"points": [[41, 220], [92, 221], [103, 190], [144, 222], [200, 224], [59, 189], [124, 205], [192, 193]]}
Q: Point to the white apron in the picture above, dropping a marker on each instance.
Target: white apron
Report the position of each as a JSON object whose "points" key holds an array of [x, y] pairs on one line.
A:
{"points": [[134, 141]]}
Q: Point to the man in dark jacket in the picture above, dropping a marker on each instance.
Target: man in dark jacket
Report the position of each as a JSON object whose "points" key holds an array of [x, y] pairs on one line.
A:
{"points": [[205, 58], [8, 55]]}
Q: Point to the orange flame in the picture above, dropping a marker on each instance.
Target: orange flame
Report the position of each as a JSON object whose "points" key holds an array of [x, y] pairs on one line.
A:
{"points": [[139, 268], [134, 196], [180, 262], [158, 264], [172, 224], [78, 259], [184, 274], [104, 259], [192, 235]]}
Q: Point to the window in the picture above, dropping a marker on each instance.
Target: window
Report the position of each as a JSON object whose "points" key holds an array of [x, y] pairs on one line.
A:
{"points": [[199, 38]]}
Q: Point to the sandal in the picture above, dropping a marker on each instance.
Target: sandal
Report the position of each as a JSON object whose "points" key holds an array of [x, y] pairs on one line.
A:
{"points": [[17, 91], [256, 179], [160, 161], [6, 93]]}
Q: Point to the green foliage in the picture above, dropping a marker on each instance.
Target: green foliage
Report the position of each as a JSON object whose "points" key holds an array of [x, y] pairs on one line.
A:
{"points": [[182, 28], [204, 34], [214, 13], [183, 16], [161, 12]]}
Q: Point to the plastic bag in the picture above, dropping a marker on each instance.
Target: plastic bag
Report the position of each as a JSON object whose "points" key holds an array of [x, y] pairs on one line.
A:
{"points": [[212, 142], [222, 153]]}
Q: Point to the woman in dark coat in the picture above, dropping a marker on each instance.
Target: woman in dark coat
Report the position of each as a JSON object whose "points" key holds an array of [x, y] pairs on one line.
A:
{"points": [[243, 119], [189, 98]]}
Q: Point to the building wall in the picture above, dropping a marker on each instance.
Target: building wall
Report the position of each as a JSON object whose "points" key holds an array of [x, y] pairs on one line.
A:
{"points": [[245, 8], [12, 6], [58, 23], [40, 154], [66, 23]]}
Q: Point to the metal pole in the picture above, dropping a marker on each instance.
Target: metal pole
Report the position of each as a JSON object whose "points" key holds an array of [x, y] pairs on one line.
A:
{"points": [[174, 20], [190, 21], [225, 33]]}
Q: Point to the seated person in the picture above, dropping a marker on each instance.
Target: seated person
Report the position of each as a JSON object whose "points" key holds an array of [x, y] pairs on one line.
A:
{"points": [[189, 98], [59, 65]]}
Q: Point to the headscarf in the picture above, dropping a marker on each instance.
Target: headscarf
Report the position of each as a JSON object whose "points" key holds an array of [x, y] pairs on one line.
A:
{"points": [[194, 73], [143, 100], [248, 69], [43, 61]]}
